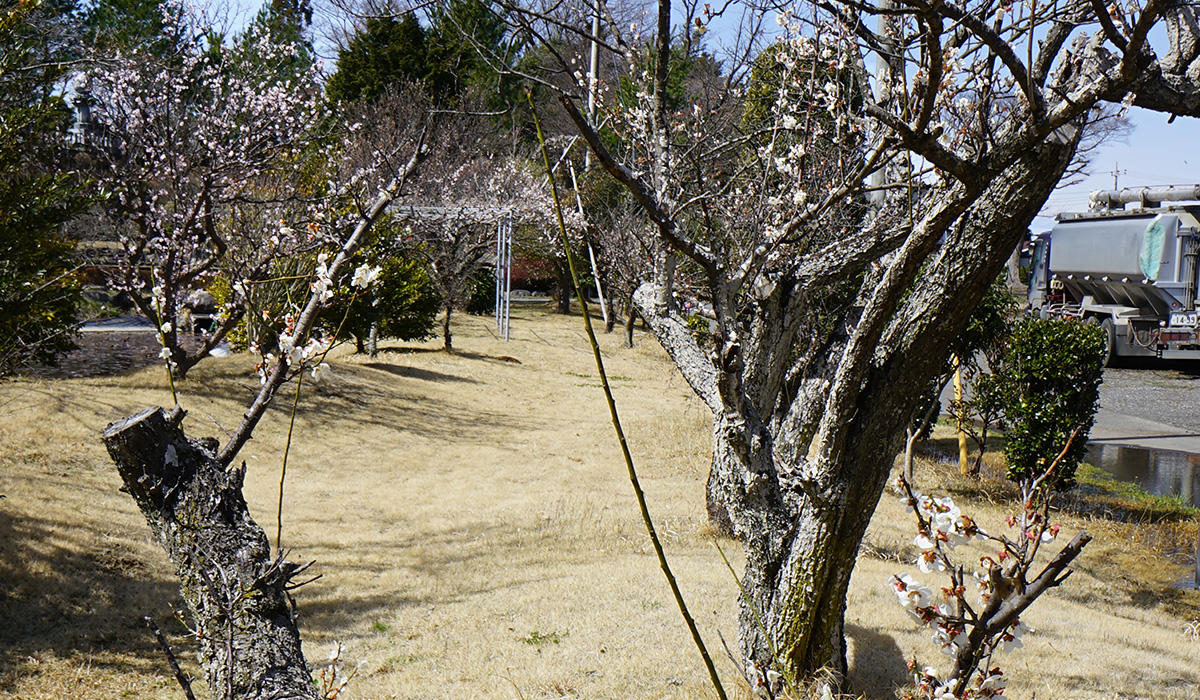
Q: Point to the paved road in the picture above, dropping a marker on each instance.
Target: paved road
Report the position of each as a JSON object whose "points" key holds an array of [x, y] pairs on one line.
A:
{"points": [[129, 323], [1152, 405]]}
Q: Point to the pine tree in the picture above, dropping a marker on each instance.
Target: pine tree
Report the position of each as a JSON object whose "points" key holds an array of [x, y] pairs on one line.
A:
{"points": [[125, 24], [386, 51], [39, 287], [445, 57]]}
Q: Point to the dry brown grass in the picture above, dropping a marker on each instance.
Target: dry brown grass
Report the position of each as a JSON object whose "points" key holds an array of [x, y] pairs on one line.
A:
{"points": [[477, 537]]}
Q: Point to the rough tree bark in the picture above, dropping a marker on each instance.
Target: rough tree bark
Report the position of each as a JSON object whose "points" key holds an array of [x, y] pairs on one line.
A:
{"points": [[799, 499], [236, 591], [905, 360]]}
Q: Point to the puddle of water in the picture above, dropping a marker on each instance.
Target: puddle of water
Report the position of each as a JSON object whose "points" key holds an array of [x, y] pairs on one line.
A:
{"points": [[1160, 472]]}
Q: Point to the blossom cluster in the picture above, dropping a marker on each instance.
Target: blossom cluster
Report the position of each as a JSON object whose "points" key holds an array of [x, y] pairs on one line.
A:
{"points": [[322, 286], [928, 685], [199, 137], [365, 276], [942, 522], [959, 631], [291, 350]]}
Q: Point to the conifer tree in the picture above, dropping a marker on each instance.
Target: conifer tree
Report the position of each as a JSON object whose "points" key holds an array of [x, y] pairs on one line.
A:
{"points": [[39, 287]]}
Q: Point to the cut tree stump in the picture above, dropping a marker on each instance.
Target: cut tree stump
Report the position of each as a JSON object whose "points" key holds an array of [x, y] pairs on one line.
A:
{"points": [[237, 593]]}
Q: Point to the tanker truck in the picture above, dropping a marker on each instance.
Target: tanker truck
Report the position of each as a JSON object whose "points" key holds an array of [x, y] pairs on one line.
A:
{"points": [[1132, 272]]}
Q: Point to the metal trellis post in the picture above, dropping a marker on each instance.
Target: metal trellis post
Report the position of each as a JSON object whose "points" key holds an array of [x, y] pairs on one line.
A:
{"points": [[504, 240]]}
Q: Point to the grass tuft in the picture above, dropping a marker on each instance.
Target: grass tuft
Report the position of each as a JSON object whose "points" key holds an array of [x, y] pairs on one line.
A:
{"points": [[538, 639]]}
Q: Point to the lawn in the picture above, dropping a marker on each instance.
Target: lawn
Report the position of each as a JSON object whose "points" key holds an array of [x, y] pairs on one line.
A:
{"points": [[476, 536]]}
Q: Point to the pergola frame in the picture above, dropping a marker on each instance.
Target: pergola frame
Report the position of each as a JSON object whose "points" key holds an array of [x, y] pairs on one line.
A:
{"points": [[503, 219]]}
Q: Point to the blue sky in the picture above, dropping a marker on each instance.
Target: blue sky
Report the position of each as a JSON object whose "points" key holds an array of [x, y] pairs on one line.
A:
{"points": [[1157, 153]]}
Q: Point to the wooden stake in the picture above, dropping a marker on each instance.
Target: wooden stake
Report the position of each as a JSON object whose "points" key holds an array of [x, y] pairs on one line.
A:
{"points": [[964, 466]]}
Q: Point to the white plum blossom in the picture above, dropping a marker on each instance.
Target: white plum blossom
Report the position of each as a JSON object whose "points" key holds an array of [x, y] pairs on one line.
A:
{"points": [[911, 594], [1011, 639], [265, 366], [365, 276], [992, 685], [983, 585], [950, 638], [949, 524], [774, 680], [294, 354], [322, 286], [929, 562], [944, 513], [1009, 642]]}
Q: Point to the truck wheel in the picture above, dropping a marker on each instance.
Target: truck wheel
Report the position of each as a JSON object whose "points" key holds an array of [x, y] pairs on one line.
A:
{"points": [[1110, 337], [1110, 342]]}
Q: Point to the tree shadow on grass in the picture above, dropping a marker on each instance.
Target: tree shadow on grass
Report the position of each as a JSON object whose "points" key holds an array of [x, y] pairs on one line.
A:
{"points": [[354, 396], [418, 373], [357, 395], [363, 394], [464, 354], [72, 592], [388, 348], [877, 667]]}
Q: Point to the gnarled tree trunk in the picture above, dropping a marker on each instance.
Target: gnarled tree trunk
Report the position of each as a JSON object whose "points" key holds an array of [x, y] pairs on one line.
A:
{"points": [[800, 504], [236, 592]]}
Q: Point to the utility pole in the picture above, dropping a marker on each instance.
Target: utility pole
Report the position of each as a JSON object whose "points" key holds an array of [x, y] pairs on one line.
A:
{"points": [[593, 86], [593, 82]]}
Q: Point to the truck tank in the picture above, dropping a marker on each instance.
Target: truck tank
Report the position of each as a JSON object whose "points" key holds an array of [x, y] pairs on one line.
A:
{"points": [[1138, 261], [1132, 272]]}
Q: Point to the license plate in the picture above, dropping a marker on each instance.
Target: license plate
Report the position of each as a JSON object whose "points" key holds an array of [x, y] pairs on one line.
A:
{"points": [[1191, 319]]}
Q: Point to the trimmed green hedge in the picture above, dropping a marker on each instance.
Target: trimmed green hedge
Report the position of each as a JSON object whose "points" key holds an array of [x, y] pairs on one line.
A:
{"points": [[1050, 385]]}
